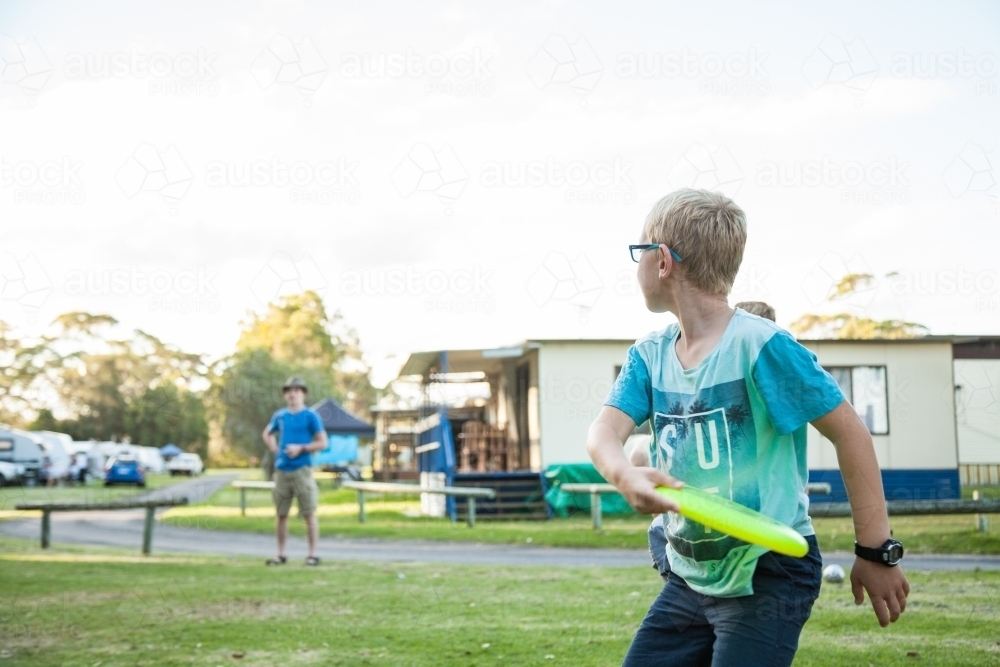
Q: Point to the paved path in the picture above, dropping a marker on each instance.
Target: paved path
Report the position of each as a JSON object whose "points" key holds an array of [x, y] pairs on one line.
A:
{"points": [[195, 490], [124, 529]]}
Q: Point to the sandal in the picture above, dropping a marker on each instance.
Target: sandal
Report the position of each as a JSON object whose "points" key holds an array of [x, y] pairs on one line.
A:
{"points": [[312, 561], [277, 560]]}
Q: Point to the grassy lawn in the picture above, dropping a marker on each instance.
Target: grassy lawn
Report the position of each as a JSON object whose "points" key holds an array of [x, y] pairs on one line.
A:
{"points": [[397, 517], [89, 606], [93, 491]]}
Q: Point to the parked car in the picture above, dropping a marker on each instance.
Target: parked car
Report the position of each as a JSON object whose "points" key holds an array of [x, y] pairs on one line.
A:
{"points": [[186, 464], [125, 469], [10, 473]]}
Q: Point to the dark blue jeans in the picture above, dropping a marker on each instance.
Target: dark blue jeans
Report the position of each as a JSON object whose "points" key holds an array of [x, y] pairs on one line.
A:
{"points": [[684, 628]]}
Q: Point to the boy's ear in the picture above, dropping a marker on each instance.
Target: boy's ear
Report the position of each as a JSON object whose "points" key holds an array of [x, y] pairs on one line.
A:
{"points": [[665, 263]]}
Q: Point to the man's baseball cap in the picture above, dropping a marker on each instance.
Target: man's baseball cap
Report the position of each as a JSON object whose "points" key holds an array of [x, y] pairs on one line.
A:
{"points": [[295, 382]]}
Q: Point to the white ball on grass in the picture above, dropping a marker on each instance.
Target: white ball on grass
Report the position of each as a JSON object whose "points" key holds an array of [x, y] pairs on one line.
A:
{"points": [[833, 574]]}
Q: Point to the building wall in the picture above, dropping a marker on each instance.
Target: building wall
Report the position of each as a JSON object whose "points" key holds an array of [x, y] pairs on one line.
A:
{"points": [[573, 382], [978, 410], [919, 455]]}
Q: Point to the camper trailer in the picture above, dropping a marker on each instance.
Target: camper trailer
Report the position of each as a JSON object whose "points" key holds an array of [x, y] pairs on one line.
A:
{"points": [[55, 445], [23, 448]]}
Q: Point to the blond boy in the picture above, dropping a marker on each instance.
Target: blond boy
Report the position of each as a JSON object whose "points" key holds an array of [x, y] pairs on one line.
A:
{"points": [[729, 397]]}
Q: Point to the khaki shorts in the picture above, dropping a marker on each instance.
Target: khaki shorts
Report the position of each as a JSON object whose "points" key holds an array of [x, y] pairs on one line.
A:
{"points": [[297, 484]]}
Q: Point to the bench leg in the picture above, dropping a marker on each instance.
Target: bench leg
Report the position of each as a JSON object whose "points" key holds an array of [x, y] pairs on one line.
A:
{"points": [[46, 528], [470, 508], [361, 506], [243, 502], [981, 521], [147, 531], [595, 510]]}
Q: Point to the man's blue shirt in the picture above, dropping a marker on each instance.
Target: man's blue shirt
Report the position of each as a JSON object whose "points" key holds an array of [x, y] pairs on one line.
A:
{"points": [[295, 428]]}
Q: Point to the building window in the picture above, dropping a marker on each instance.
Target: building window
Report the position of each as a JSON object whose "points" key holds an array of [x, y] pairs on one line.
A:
{"points": [[865, 388], [618, 371], [6, 445]]}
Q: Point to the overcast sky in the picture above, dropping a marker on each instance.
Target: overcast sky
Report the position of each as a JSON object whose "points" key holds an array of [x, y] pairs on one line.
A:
{"points": [[453, 175]]}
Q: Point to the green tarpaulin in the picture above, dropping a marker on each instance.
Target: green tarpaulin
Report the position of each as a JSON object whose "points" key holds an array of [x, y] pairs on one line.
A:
{"points": [[565, 504]]}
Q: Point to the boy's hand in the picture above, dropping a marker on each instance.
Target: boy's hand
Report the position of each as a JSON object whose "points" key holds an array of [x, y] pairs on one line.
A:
{"points": [[292, 451], [887, 589], [638, 485]]}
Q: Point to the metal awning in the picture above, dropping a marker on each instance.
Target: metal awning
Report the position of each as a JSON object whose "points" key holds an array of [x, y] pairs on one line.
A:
{"points": [[460, 361]]}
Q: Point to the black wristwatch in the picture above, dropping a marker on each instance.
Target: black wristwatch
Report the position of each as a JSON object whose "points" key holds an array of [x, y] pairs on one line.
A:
{"points": [[890, 553]]}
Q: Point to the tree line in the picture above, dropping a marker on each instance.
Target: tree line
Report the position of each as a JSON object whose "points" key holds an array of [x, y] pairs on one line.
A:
{"points": [[85, 378]]}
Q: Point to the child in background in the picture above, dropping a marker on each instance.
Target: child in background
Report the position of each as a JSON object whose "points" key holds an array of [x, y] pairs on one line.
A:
{"points": [[758, 308]]}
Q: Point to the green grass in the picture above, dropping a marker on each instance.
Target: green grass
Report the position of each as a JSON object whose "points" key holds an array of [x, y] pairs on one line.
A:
{"points": [[89, 606], [93, 491], [394, 518]]}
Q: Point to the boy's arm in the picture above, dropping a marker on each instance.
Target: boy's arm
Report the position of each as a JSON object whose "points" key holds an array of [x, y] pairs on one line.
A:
{"points": [[605, 445], [887, 586]]}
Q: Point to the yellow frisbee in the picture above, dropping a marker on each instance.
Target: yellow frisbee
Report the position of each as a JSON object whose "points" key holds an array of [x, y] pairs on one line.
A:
{"points": [[734, 519]]}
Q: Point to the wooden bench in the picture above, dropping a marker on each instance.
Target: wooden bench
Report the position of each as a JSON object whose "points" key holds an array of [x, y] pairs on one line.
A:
{"points": [[914, 508], [243, 486], [47, 508], [597, 490], [470, 493]]}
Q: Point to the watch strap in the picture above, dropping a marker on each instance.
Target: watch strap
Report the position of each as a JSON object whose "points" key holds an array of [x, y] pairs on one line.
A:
{"points": [[877, 555]]}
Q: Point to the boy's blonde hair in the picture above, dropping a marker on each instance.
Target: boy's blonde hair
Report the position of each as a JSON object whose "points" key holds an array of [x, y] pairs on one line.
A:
{"points": [[707, 230], [758, 308]]}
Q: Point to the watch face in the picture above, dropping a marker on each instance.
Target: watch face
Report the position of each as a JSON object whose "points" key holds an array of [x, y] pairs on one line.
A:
{"points": [[895, 553]]}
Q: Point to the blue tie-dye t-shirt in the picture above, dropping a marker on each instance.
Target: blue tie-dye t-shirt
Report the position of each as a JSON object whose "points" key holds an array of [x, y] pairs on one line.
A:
{"points": [[735, 425]]}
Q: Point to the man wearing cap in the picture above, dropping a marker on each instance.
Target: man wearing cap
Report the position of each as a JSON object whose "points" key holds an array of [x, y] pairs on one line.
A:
{"points": [[300, 433]]}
